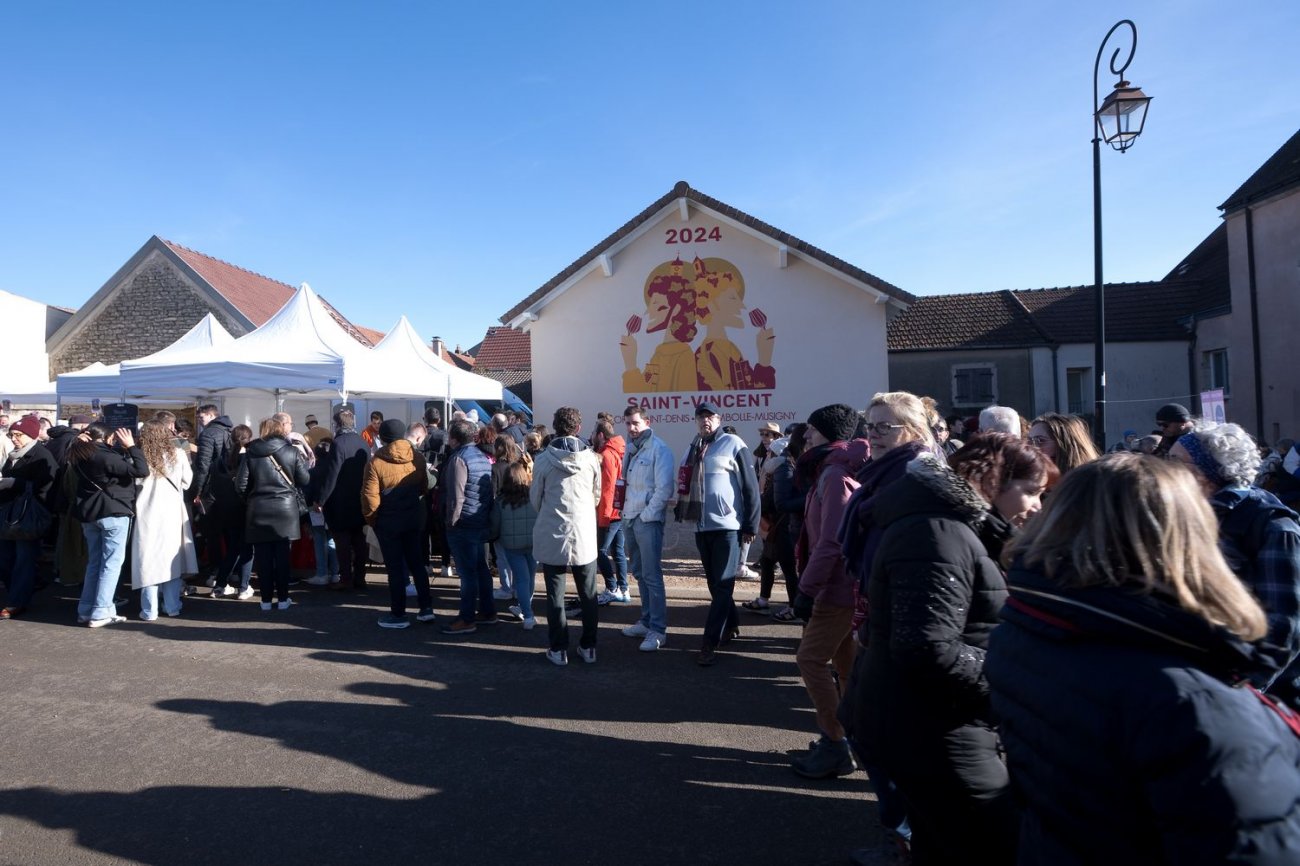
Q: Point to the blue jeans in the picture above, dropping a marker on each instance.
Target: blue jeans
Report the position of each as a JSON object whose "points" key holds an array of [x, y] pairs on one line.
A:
{"points": [[505, 572], [403, 561], [171, 593], [327, 558], [105, 551], [646, 550], [610, 558], [523, 568], [471, 565], [18, 570], [720, 556]]}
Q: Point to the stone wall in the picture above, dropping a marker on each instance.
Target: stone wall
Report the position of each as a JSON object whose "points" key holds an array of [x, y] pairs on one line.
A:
{"points": [[154, 306]]}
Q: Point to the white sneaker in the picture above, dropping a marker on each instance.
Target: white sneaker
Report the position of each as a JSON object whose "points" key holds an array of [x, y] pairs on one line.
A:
{"points": [[557, 657], [612, 595], [587, 654], [148, 617], [320, 580], [108, 620], [225, 592], [653, 641], [503, 594], [529, 623], [448, 571], [245, 594], [747, 573], [285, 605], [410, 590], [266, 605], [636, 630]]}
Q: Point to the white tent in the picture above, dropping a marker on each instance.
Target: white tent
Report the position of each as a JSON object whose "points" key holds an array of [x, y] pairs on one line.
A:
{"points": [[31, 394], [105, 380], [299, 350], [405, 362]]}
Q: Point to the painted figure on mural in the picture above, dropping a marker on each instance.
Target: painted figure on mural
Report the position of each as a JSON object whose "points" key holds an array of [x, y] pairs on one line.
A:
{"points": [[671, 309], [719, 363]]}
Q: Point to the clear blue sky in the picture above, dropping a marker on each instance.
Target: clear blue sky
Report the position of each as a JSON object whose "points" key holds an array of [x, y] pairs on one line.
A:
{"points": [[444, 160]]}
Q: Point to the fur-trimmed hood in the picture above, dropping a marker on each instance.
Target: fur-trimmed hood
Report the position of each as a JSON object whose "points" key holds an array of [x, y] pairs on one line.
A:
{"points": [[929, 486]]}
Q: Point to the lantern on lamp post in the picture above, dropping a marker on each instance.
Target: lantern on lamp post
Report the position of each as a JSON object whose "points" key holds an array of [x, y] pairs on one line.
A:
{"points": [[1118, 120]]}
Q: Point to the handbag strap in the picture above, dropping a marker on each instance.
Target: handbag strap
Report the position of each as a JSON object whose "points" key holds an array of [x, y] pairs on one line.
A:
{"points": [[279, 467]]}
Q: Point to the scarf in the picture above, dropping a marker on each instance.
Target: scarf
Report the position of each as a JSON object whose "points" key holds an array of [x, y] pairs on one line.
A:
{"points": [[690, 482]]}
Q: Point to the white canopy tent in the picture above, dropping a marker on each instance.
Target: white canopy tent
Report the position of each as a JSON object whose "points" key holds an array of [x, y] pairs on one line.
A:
{"points": [[404, 360], [104, 381], [26, 394], [299, 350]]}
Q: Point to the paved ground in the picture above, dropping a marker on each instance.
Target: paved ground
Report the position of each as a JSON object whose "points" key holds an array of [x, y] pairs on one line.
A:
{"points": [[311, 736]]}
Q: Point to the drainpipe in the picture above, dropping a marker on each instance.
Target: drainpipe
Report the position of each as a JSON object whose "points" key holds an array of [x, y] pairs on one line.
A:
{"points": [[1056, 380], [1193, 387], [1254, 321]]}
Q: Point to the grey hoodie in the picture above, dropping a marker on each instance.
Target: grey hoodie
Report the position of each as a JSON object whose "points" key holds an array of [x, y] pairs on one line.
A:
{"points": [[565, 490]]}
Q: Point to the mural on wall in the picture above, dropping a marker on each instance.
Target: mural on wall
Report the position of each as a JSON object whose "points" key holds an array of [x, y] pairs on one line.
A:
{"points": [[706, 301]]}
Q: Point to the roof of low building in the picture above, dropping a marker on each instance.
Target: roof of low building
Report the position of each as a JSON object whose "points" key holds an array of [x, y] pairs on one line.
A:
{"points": [[504, 348], [684, 190], [257, 297], [1280, 172], [1007, 319], [1208, 266]]}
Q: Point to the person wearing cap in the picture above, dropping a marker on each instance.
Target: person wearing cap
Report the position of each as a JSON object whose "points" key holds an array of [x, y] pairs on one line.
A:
{"points": [[718, 491], [1173, 420], [29, 467], [648, 467], [392, 503]]}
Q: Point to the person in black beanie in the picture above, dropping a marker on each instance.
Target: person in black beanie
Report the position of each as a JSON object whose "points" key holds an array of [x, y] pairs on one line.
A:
{"points": [[1174, 420], [825, 600]]}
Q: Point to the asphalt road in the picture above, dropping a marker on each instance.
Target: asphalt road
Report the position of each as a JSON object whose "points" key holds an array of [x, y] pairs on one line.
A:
{"points": [[312, 736]]}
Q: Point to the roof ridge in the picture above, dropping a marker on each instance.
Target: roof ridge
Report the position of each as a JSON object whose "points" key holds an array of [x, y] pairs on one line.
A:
{"points": [[1033, 320], [227, 264]]}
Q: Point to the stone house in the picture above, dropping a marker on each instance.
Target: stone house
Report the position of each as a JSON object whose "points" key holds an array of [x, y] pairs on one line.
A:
{"points": [[158, 295]]}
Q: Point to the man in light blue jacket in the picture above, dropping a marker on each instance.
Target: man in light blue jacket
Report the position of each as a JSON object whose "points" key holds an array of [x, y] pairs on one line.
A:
{"points": [[648, 467], [718, 491]]}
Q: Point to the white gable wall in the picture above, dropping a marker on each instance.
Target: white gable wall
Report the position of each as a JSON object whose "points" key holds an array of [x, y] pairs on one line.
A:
{"points": [[829, 334]]}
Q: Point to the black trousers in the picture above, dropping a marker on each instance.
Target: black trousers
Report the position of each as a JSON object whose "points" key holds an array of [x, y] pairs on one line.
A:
{"points": [[350, 544], [719, 554], [403, 558], [557, 626], [271, 559]]}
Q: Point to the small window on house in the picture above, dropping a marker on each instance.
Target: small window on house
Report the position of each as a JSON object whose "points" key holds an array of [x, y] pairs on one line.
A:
{"points": [[1078, 390], [974, 385], [1216, 370]]}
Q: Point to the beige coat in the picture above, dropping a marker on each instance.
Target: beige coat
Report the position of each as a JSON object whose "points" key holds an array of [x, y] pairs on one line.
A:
{"points": [[566, 487], [162, 547]]}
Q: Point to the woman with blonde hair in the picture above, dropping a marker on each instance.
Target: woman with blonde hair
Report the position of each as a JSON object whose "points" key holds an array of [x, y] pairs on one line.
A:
{"points": [[1118, 677], [268, 474], [162, 547], [1065, 439]]}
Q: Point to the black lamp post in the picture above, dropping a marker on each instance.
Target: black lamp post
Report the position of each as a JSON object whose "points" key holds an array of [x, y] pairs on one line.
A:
{"points": [[1118, 121]]}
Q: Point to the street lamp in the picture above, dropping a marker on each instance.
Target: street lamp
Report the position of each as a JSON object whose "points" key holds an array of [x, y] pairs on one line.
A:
{"points": [[1118, 121]]}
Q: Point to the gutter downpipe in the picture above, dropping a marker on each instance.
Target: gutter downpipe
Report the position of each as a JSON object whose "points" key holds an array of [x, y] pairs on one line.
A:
{"points": [[1254, 321]]}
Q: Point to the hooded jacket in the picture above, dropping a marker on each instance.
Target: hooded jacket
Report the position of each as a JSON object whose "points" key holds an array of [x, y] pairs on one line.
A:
{"points": [[825, 578], [611, 468], [392, 491], [565, 489], [1129, 736], [214, 450], [272, 513], [935, 592]]}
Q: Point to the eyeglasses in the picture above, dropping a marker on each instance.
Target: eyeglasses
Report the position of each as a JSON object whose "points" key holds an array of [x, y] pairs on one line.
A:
{"points": [[880, 428], [766, 433], [1040, 441]]}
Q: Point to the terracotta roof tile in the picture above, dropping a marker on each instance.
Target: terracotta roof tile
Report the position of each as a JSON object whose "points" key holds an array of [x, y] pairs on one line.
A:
{"points": [[1279, 171], [257, 297], [985, 320], [683, 189], [505, 349]]}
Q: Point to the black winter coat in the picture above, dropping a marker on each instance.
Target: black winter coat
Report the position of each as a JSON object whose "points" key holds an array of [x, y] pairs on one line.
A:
{"points": [[272, 505], [1127, 738], [935, 592], [61, 439], [35, 469], [106, 482], [213, 451], [340, 482]]}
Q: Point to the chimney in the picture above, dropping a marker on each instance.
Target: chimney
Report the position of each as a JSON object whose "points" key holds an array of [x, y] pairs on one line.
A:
{"points": [[438, 346]]}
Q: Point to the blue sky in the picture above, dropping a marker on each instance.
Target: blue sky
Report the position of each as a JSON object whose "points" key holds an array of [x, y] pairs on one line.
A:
{"points": [[444, 160]]}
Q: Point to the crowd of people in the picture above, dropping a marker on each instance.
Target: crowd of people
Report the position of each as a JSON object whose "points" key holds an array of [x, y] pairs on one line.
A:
{"points": [[1037, 652]]}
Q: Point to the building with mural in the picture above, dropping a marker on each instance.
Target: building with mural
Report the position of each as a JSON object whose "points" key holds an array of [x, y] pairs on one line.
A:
{"points": [[693, 299]]}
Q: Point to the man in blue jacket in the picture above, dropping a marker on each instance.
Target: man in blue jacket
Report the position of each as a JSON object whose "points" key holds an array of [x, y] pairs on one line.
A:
{"points": [[648, 475], [717, 488]]}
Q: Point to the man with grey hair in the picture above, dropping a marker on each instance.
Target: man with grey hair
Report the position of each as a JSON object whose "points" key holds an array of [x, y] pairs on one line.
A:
{"points": [[1000, 419]]}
